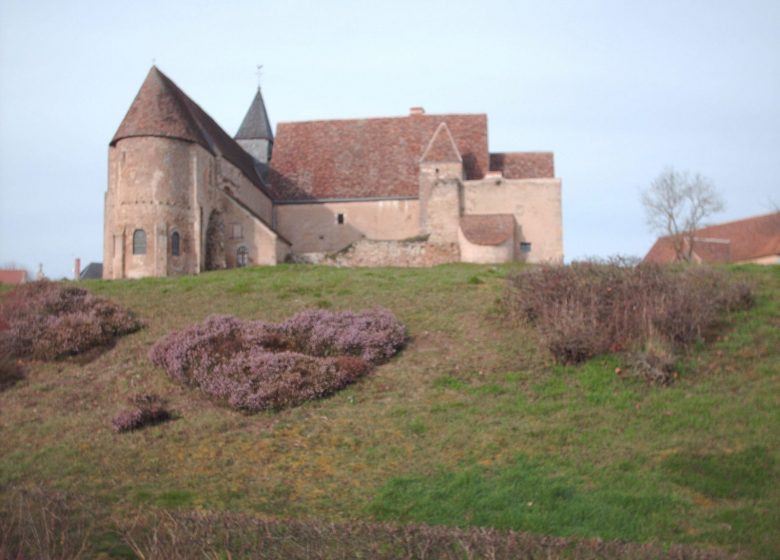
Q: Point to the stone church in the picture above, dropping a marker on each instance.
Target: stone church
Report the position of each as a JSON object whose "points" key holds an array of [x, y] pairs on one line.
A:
{"points": [[185, 197]]}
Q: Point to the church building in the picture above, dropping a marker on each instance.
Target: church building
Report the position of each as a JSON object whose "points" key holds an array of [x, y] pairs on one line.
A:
{"points": [[185, 197]]}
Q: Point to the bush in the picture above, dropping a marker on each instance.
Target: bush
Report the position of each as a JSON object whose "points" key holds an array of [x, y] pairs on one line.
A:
{"points": [[254, 365], [590, 308], [49, 320], [10, 372], [374, 335], [147, 410], [41, 523]]}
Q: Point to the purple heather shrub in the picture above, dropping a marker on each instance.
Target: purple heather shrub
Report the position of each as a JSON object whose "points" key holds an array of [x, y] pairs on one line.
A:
{"points": [[147, 410], [50, 320], [375, 334], [254, 365]]}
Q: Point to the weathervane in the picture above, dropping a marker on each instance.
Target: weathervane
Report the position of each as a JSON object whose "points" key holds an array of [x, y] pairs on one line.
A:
{"points": [[259, 73]]}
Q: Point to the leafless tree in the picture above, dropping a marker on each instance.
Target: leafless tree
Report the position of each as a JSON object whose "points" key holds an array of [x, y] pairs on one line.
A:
{"points": [[676, 204]]}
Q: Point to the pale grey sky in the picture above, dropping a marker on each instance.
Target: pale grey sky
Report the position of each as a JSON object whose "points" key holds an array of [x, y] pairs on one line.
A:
{"points": [[617, 89]]}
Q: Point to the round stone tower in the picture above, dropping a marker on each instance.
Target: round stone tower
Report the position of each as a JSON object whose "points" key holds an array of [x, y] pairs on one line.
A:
{"points": [[156, 160]]}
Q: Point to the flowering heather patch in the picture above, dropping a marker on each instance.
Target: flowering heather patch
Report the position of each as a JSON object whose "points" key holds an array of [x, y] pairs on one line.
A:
{"points": [[147, 410], [254, 365], [374, 335], [49, 320]]}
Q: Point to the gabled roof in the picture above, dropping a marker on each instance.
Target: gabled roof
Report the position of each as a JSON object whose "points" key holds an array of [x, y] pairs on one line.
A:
{"points": [[736, 241], [13, 276], [441, 148], [367, 158], [487, 229], [162, 109], [93, 271], [255, 125], [523, 165]]}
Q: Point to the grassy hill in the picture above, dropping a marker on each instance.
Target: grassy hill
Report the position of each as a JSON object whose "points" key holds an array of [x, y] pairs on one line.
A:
{"points": [[472, 424]]}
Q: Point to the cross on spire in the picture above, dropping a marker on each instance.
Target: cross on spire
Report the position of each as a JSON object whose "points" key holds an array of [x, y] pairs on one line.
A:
{"points": [[259, 73]]}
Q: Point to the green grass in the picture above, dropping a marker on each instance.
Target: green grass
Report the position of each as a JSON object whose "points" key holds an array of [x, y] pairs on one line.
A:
{"points": [[467, 426]]}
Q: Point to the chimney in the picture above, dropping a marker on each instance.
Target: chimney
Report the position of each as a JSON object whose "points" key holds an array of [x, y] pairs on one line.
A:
{"points": [[416, 111], [77, 269]]}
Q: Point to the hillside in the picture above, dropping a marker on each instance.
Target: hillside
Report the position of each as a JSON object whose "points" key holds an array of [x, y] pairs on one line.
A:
{"points": [[472, 424]]}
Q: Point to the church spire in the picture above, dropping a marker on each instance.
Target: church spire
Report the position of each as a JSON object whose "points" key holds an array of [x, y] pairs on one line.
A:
{"points": [[255, 134]]}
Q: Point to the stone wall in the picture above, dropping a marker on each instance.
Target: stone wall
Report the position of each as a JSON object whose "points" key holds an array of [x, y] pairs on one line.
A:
{"points": [[536, 205], [372, 253], [165, 186], [315, 227], [150, 189]]}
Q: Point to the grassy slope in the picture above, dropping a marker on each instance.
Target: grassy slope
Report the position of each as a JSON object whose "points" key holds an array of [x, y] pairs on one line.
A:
{"points": [[470, 424]]}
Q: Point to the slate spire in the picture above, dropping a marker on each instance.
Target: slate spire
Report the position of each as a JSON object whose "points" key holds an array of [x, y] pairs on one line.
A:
{"points": [[255, 125], [255, 134]]}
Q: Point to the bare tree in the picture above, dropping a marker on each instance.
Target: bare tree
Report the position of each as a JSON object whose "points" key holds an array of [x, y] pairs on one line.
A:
{"points": [[676, 203]]}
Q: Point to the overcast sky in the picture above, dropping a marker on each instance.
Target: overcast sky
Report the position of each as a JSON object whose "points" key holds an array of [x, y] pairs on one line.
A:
{"points": [[618, 90]]}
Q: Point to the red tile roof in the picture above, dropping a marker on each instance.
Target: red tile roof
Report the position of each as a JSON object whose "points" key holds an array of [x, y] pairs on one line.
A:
{"points": [[442, 147], [737, 241], [162, 109], [368, 158], [13, 276], [487, 229], [523, 165]]}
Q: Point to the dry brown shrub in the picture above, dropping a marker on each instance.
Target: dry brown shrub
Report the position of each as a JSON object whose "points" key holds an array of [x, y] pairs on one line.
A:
{"points": [[588, 308], [179, 536]]}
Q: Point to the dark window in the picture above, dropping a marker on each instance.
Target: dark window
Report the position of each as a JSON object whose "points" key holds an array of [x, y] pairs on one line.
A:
{"points": [[242, 256], [525, 247], [175, 244], [340, 218], [139, 242]]}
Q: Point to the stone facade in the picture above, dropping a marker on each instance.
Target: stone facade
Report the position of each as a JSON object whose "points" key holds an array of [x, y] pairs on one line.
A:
{"points": [[183, 197]]}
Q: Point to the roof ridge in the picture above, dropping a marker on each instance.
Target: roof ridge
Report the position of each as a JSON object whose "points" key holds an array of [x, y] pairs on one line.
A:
{"points": [[380, 118]]}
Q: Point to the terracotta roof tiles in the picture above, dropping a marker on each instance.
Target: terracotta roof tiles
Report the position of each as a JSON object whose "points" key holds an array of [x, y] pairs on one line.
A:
{"points": [[487, 229], [736, 241], [162, 109], [368, 158], [442, 147], [523, 165]]}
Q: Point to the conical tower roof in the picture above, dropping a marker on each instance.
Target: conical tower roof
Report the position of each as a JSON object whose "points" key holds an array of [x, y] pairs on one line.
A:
{"points": [[442, 147], [162, 109], [255, 125]]}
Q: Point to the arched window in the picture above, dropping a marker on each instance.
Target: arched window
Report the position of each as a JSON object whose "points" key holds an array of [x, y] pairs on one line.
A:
{"points": [[175, 244], [139, 242], [242, 256]]}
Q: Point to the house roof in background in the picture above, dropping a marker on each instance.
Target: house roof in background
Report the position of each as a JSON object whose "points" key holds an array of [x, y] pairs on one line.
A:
{"points": [[741, 240], [13, 276], [93, 271]]}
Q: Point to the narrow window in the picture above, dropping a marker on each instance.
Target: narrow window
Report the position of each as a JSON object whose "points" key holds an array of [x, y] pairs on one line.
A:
{"points": [[175, 244], [525, 247], [236, 232], [139, 242], [340, 218], [242, 256]]}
